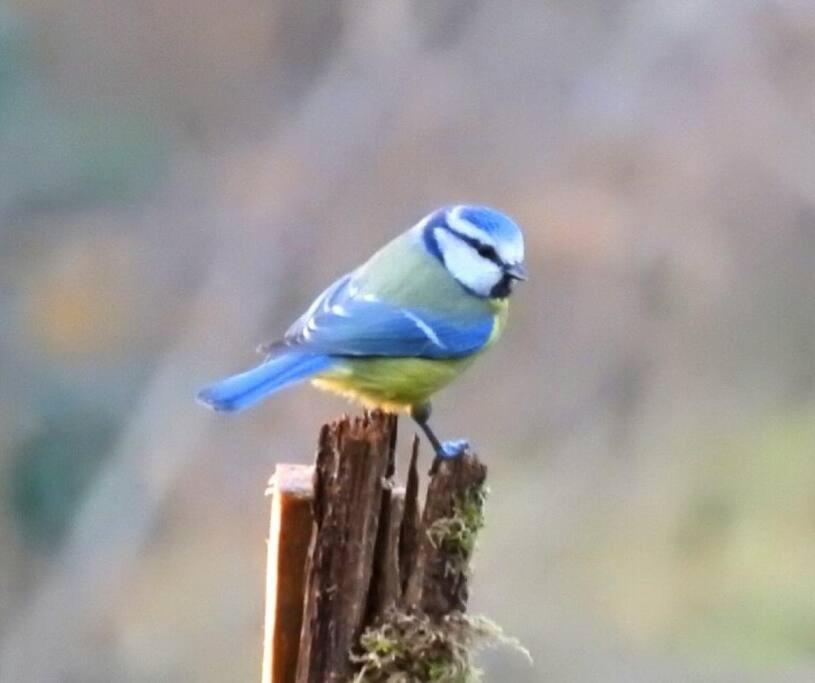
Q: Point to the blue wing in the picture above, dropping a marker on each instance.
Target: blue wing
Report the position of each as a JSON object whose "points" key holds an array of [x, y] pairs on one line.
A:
{"points": [[343, 322]]}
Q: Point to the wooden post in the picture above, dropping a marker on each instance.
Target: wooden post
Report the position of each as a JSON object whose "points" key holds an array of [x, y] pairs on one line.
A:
{"points": [[376, 567], [453, 514], [354, 463], [290, 532]]}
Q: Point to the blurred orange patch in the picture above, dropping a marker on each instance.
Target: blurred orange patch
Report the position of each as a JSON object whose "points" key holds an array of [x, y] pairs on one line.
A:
{"points": [[78, 304], [576, 222]]}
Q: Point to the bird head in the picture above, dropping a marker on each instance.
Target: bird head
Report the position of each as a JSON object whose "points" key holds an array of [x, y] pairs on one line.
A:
{"points": [[480, 247]]}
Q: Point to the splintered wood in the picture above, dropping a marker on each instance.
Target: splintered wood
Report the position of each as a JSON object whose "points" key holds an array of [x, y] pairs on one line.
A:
{"points": [[370, 548]]}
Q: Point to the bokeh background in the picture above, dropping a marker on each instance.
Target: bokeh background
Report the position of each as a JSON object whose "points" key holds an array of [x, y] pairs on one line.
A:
{"points": [[179, 178]]}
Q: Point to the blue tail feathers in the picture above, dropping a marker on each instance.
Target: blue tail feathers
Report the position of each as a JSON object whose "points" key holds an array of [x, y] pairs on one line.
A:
{"points": [[247, 388]]}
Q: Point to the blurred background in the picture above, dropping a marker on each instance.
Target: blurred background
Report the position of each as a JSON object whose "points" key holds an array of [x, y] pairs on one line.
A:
{"points": [[179, 178]]}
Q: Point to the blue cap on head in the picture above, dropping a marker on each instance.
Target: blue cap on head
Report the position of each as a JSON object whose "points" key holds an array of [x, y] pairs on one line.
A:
{"points": [[476, 222], [494, 223], [489, 226]]}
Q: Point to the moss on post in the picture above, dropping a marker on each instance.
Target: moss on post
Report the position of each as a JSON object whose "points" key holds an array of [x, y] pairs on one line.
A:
{"points": [[455, 536], [429, 638], [413, 648]]}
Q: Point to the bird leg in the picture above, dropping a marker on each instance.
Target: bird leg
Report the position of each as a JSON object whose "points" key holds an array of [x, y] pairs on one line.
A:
{"points": [[447, 449]]}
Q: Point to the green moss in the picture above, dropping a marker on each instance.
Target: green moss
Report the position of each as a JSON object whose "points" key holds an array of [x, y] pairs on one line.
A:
{"points": [[456, 535], [410, 648]]}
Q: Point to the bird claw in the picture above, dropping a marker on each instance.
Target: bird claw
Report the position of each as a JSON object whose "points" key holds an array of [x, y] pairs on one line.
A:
{"points": [[449, 450], [454, 448]]}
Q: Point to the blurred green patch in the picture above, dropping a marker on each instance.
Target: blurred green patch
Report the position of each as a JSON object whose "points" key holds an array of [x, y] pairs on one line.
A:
{"points": [[715, 558], [117, 156], [12, 57], [81, 157], [761, 631], [51, 471], [748, 542], [64, 151]]}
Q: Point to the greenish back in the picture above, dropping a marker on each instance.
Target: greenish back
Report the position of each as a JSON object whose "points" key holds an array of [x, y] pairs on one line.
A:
{"points": [[403, 273]]}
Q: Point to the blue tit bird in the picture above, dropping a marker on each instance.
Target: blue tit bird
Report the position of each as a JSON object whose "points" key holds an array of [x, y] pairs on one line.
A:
{"points": [[403, 325]]}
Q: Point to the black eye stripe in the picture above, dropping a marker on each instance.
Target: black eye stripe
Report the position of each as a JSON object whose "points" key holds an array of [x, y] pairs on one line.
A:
{"points": [[487, 252], [484, 250]]}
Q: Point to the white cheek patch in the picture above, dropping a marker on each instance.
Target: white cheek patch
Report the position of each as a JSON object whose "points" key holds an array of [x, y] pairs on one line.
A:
{"points": [[463, 262]]}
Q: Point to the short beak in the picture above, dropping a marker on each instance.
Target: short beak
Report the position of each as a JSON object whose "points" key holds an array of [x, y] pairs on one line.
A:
{"points": [[516, 271]]}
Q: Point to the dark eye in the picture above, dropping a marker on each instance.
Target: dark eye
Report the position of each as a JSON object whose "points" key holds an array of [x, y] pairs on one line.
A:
{"points": [[487, 252]]}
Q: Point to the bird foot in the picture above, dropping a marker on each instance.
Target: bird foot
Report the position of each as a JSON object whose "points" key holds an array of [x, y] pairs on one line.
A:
{"points": [[454, 448], [449, 449]]}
